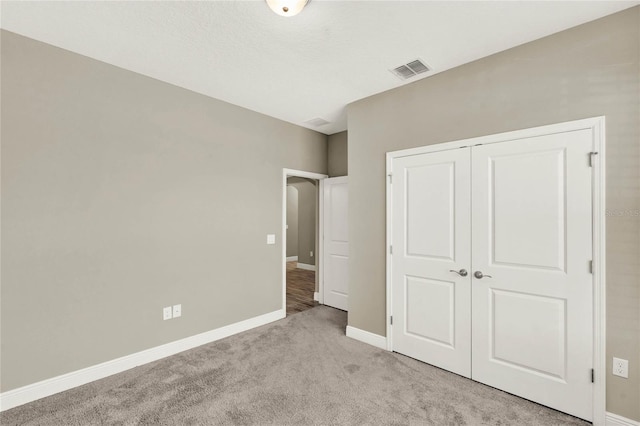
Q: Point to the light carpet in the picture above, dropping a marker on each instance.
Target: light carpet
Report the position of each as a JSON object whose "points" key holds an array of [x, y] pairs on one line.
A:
{"points": [[301, 370]]}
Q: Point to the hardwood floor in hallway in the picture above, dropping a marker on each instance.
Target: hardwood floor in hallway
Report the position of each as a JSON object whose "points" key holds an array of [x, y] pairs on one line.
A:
{"points": [[301, 285]]}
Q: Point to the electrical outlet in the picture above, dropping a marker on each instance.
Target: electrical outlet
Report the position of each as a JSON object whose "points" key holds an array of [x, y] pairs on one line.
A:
{"points": [[166, 313], [621, 367], [177, 311], [311, 254]]}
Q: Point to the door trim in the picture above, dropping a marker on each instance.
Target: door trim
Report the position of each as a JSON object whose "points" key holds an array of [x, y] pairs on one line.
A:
{"points": [[597, 127], [283, 232]]}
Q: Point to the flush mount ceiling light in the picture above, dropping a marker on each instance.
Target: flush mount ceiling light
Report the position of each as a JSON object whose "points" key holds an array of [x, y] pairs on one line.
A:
{"points": [[287, 7]]}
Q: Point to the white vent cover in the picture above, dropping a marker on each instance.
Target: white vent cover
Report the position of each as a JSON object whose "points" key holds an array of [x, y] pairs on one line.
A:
{"points": [[410, 70], [317, 122]]}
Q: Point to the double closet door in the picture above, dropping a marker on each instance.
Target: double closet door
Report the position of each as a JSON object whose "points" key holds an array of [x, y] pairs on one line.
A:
{"points": [[491, 265]]}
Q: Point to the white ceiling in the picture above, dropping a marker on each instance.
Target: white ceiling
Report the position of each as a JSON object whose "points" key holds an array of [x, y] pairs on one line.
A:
{"points": [[295, 69]]}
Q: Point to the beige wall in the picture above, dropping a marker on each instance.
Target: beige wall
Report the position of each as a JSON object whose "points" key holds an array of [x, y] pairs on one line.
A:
{"points": [[307, 212], [338, 154], [292, 221], [587, 71], [121, 195]]}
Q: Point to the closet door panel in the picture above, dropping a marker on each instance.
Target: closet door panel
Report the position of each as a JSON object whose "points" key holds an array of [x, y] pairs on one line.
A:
{"points": [[532, 309], [431, 238]]}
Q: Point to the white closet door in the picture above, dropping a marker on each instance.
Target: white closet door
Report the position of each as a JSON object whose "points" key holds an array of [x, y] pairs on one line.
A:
{"points": [[532, 319], [431, 238], [336, 242]]}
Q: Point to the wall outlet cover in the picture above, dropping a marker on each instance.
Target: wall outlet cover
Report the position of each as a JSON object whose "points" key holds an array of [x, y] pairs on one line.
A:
{"points": [[166, 313], [621, 367]]}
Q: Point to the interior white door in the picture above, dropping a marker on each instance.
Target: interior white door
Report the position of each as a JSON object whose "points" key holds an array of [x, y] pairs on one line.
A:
{"points": [[431, 295], [532, 240], [336, 243]]}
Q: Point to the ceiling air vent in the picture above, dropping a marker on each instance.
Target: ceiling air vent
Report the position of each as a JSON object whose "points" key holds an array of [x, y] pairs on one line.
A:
{"points": [[411, 69], [317, 122]]}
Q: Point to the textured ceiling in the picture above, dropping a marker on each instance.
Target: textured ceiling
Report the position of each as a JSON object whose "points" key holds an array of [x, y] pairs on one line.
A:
{"points": [[295, 69]]}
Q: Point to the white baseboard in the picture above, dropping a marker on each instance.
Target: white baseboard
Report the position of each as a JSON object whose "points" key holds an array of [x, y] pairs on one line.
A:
{"points": [[316, 296], [25, 394], [367, 337], [616, 420], [292, 259], [306, 266]]}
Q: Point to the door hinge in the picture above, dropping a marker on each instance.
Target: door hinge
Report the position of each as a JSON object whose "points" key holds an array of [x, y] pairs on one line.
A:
{"points": [[591, 266], [390, 177], [390, 249], [591, 156], [593, 376], [391, 320]]}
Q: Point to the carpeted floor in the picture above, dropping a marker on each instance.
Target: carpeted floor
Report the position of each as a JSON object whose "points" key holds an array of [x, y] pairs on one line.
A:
{"points": [[300, 370]]}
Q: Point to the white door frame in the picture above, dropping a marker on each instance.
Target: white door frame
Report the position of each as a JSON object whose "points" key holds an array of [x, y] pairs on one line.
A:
{"points": [[283, 236], [597, 127]]}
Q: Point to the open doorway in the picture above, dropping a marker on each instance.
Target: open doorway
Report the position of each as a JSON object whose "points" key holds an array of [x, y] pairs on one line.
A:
{"points": [[301, 244]]}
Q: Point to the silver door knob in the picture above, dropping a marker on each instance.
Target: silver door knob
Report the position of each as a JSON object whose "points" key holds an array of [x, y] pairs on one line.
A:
{"points": [[461, 272], [479, 275]]}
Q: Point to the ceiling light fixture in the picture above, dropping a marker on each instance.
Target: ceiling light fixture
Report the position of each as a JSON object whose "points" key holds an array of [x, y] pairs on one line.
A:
{"points": [[287, 7]]}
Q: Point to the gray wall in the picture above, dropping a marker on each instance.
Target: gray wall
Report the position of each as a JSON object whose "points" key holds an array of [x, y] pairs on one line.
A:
{"points": [[292, 221], [337, 149], [307, 212], [587, 71], [122, 194]]}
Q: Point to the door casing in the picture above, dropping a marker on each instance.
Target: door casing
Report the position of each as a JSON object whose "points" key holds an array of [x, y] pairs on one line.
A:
{"points": [[597, 127]]}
